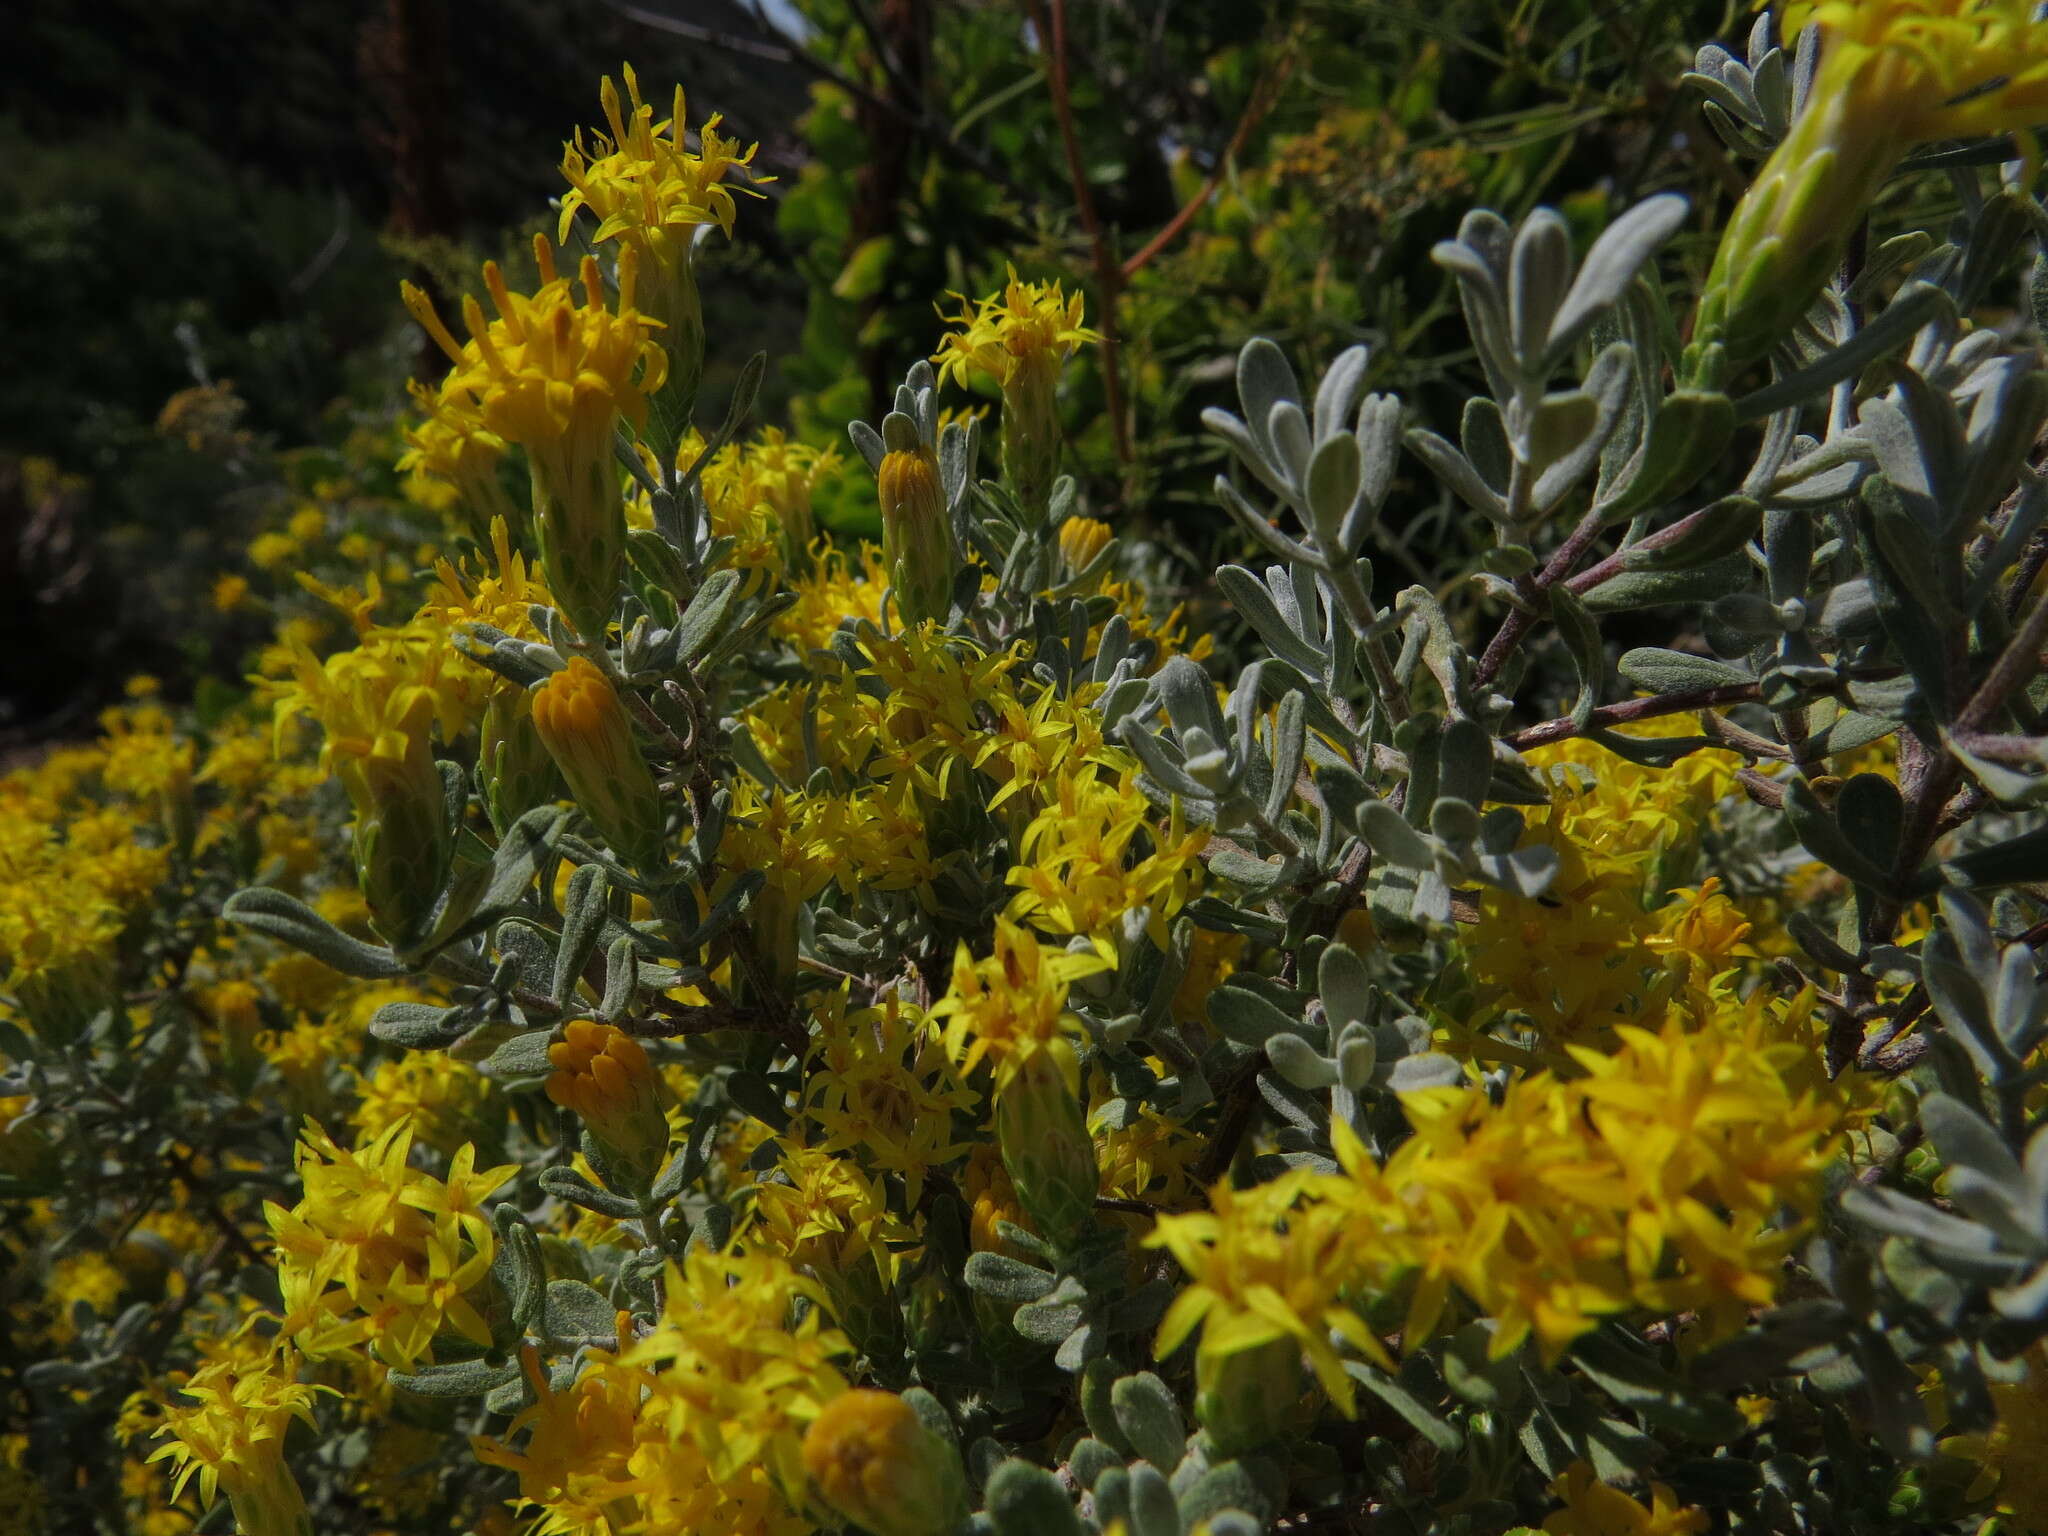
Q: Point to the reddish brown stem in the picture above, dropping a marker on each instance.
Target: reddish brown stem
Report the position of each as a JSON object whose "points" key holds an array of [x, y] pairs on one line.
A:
{"points": [[1633, 709], [1108, 275]]}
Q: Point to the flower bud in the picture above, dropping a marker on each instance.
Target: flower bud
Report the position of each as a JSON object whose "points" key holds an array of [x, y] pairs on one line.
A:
{"points": [[603, 1075], [1082, 539], [916, 540], [583, 725], [514, 772], [1045, 1142], [870, 1459], [581, 521], [1031, 433], [403, 843], [1245, 1395]]}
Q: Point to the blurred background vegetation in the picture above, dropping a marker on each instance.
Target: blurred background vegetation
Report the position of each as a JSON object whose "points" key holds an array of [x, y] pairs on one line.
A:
{"points": [[205, 209]]}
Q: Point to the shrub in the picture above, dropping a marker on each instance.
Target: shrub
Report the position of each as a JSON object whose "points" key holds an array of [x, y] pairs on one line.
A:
{"points": [[673, 1024]]}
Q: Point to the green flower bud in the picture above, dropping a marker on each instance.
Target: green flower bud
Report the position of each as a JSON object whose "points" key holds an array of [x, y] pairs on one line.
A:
{"points": [[584, 727], [1245, 1396], [513, 769], [870, 1459], [403, 843], [1045, 1143], [582, 532]]}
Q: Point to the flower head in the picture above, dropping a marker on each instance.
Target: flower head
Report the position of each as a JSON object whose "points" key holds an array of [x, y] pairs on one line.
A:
{"points": [[376, 1251], [230, 1432], [583, 724], [603, 1074], [1011, 1004], [1025, 326], [874, 1463]]}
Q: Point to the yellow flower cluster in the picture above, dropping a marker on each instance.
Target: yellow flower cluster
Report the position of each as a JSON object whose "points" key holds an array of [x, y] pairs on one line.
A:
{"points": [[1028, 326], [1589, 953], [376, 1253], [1654, 1180], [695, 1425]]}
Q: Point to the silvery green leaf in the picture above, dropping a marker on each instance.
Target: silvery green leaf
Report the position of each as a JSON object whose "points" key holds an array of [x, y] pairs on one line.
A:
{"points": [[1226, 1500], [523, 1056], [1539, 277], [1250, 452], [1297, 1061], [1265, 379], [1379, 447], [1357, 1058], [1749, 614], [1912, 307], [1242, 1015], [621, 977], [1661, 671], [420, 1026], [700, 622], [2005, 419], [1419, 1416], [1332, 487], [1008, 1279], [1456, 471], [1390, 836], [1964, 1139], [1424, 1069], [1024, 1500], [867, 443], [275, 915], [1918, 440], [1150, 1419], [1526, 871], [1346, 986], [1338, 392], [1562, 464], [1486, 442], [1610, 266], [458, 1378], [1290, 737], [1162, 761], [1287, 430], [1258, 526], [1256, 602], [583, 915], [1153, 1509]]}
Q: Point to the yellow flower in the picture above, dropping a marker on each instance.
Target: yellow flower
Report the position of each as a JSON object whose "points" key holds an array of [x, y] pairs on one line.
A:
{"points": [[1025, 326], [442, 1098], [232, 1435], [2011, 1457], [1013, 1003], [555, 376], [1021, 338], [650, 191], [377, 1251], [880, 1086], [1591, 1508]]}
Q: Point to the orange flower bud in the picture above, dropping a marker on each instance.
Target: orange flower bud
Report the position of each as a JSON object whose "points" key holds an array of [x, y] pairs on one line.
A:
{"points": [[583, 725], [603, 1075]]}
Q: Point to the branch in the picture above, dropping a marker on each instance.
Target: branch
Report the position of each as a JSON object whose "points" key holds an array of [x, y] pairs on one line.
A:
{"points": [[1052, 33], [1633, 709]]}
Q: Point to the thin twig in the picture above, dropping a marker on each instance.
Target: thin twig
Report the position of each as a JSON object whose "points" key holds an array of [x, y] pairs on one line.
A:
{"points": [[1630, 710]]}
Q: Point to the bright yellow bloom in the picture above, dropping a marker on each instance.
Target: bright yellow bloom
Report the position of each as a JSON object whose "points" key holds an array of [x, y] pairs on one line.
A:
{"points": [[232, 1435], [650, 191], [1012, 1004], [578, 1460], [729, 1371], [376, 1251], [556, 376], [1021, 338], [1591, 1508], [442, 1098], [1081, 540], [1026, 326], [880, 1086]]}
